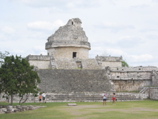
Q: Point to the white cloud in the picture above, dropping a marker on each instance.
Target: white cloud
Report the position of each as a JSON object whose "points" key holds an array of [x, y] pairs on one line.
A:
{"points": [[62, 4], [44, 25], [131, 3], [41, 25], [2, 37], [115, 27], [28, 1], [39, 50], [141, 58], [128, 41], [106, 51], [70, 5], [7, 29], [58, 23], [115, 52]]}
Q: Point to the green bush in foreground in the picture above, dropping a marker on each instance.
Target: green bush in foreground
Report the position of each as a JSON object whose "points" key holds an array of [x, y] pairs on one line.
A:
{"points": [[90, 110]]}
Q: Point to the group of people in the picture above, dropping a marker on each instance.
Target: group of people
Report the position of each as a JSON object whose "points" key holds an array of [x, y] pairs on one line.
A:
{"points": [[42, 97], [114, 99]]}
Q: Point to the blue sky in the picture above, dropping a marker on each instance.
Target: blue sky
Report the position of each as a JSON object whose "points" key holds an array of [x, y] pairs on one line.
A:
{"points": [[127, 28]]}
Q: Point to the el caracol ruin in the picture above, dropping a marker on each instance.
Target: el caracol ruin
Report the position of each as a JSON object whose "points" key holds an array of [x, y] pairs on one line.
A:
{"points": [[68, 74]]}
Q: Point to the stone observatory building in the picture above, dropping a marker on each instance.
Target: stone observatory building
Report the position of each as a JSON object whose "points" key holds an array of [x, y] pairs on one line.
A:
{"points": [[68, 48], [68, 74], [69, 41]]}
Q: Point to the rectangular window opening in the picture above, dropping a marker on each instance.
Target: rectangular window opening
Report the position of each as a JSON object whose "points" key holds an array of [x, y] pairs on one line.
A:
{"points": [[74, 54]]}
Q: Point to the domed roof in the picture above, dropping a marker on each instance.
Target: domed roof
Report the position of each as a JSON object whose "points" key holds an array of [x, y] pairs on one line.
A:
{"points": [[71, 34]]}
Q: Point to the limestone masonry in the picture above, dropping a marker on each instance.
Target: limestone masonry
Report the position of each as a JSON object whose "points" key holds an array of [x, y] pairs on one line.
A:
{"points": [[67, 73]]}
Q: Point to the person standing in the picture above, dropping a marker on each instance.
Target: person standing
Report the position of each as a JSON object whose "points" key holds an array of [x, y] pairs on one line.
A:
{"points": [[113, 98], [104, 99], [44, 97], [40, 98]]}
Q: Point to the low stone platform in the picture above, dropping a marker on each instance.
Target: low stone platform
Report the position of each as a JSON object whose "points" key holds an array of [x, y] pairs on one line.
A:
{"points": [[71, 104]]}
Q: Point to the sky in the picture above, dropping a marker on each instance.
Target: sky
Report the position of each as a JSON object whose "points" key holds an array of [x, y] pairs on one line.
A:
{"points": [[127, 28]]}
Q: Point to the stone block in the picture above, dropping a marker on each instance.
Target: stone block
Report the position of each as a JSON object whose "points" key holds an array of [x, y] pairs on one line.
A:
{"points": [[71, 104]]}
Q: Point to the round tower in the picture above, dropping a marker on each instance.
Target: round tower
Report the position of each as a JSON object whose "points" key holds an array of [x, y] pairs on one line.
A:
{"points": [[69, 41]]}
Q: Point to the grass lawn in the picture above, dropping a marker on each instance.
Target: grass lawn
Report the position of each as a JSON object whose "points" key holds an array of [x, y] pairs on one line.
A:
{"points": [[147, 109]]}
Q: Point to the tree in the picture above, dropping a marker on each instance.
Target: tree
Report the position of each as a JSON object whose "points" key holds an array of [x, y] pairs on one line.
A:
{"points": [[2, 56], [124, 64], [18, 77]]}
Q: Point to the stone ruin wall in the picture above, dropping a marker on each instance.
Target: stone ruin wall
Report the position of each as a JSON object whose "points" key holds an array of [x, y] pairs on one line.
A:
{"points": [[123, 81], [39, 61], [75, 64], [41, 64], [155, 78], [72, 38], [153, 93], [139, 68], [88, 84], [80, 85], [124, 78], [105, 61], [65, 64], [132, 78], [70, 81], [49, 62], [90, 64], [111, 64], [130, 85], [66, 53], [63, 85]]}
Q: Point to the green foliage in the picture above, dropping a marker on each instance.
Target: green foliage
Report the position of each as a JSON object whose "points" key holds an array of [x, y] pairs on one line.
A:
{"points": [[17, 77], [2, 56], [124, 64]]}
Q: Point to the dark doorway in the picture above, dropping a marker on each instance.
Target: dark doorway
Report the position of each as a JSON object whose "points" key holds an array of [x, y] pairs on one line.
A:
{"points": [[74, 54]]}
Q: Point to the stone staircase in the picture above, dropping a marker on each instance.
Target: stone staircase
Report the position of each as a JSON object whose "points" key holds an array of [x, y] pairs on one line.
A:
{"points": [[90, 64], [144, 90], [66, 64]]}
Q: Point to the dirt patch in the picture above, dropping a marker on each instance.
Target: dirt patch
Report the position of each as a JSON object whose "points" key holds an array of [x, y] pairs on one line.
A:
{"points": [[89, 109]]}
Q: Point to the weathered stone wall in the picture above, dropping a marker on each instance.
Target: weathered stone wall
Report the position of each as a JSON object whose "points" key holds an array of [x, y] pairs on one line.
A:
{"points": [[109, 58], [66, 64], [110, 61], [139, 68], [69, 81], [130, 85], [154, 78], [41, 64], [90, 64], [131, 75], [111, 64], [77, 64], [132, 78], [153, 93], [40, 61], [67, 53]]}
